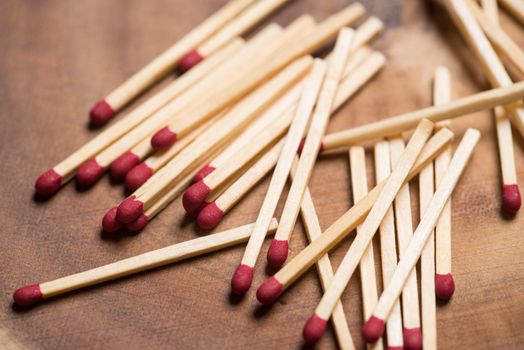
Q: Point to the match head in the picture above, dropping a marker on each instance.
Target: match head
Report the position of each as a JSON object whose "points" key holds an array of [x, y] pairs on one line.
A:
{"points": [[101, 113], [412, 338], [28, 295], [242, 278], [314, 328], [511, 199], [123, 164], [277, 253], [48, 183], [138, 224], [129, 210], [89, 173], [373, 329], [209, 216], [109, 223], [444, 286], [191, 59], [269, 291], [137, 176], [195, 198], [202, 173], [395, 347], [163, 139]]}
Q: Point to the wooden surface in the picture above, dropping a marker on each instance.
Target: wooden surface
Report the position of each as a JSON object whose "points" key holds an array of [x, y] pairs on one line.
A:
{"points": [[59, 57]]}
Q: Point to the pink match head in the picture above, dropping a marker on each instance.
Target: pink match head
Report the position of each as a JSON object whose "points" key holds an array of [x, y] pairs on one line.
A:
{"points": [[137, 176], [109, 223], [277, 253], [314, 329], [163, 139], [412, 338], [101, 113], [191, 59], [511, 198], [202, 173], [394, 347], [209, 216], [129, 210], [89, 173], [373, 329], [48, 183], [444, 286], [138, 224], [269, 291], [28, 295], [123, 164], [242, 279], [195, 198]]}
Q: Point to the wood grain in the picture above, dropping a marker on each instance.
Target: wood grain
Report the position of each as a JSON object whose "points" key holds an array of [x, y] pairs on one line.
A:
{"points": [[59, 57]]}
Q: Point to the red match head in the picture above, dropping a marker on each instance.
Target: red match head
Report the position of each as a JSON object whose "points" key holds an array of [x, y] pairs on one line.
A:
{"points": [[191, 59], [123, 164], [209, 216], [28, 295], [138, 224], [137, 176], [390, 347], [89, 173], [277, 253], [412, 338], [269, 291], [242, 279], [163, 139], [202, 173], [48, 183], [195, 198], [373, 329], [511, 199], [101, 113], [314, 329], [109, 222], [129, 210], [444, 286]]}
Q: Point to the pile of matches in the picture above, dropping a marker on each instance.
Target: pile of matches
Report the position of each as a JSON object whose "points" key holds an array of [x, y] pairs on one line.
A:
{"points": [[243, 109]]}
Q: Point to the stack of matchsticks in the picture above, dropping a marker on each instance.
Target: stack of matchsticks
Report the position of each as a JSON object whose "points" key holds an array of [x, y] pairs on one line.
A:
{"points": [[244, 109]]}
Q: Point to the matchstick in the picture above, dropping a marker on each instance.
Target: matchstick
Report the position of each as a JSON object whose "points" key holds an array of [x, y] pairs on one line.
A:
{"points": [[374, 327], [270, 290], [388, 246], [515, 7], [33, 294], [404, 228], [165, 62], [317, 322]]}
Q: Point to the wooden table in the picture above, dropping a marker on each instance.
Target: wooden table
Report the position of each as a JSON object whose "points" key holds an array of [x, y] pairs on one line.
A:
{"points": [[58, 57]]}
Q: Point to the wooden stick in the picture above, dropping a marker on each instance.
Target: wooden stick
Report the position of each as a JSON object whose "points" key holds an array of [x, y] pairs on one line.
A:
{"points": [[374, 327], [368, 279], [269, 291], [33, 294], [515, 7], [316, 324]]}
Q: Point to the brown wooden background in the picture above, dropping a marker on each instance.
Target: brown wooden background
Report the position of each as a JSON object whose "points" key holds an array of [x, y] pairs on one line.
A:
{"points": [[58, 57]]}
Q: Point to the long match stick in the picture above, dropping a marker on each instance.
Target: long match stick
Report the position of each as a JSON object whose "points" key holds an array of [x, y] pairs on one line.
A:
{"points": [[165, 62], [374, 327], [32, 294], [317, 322], [515, 7], [270, 290]]}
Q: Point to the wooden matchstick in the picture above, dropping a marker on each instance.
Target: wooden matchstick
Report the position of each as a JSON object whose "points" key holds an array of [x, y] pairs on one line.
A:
{"points": [[270, 290], [165, 62], [515, 7], [32, 294], [374, 327]]}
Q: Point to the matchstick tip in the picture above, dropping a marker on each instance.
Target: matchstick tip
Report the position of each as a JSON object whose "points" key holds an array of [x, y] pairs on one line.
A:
{"points": [[444, 286], [202, 173], [163, 139], [412, 338], [373, 329], [138, 224], [101, 113], [314, 329], [191, 59], [269, 291], [137, 176], [393, 347], [209, 216], [242, 278], [89, 173], [109, 223], [277, 253], [48, 183], [123, 164], [129, 210], [194, 198], [28, 295], [511, 198]]}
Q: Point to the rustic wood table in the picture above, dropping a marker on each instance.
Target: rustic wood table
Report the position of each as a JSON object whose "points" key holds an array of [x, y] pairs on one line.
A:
{"points": [[58, 57]]}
